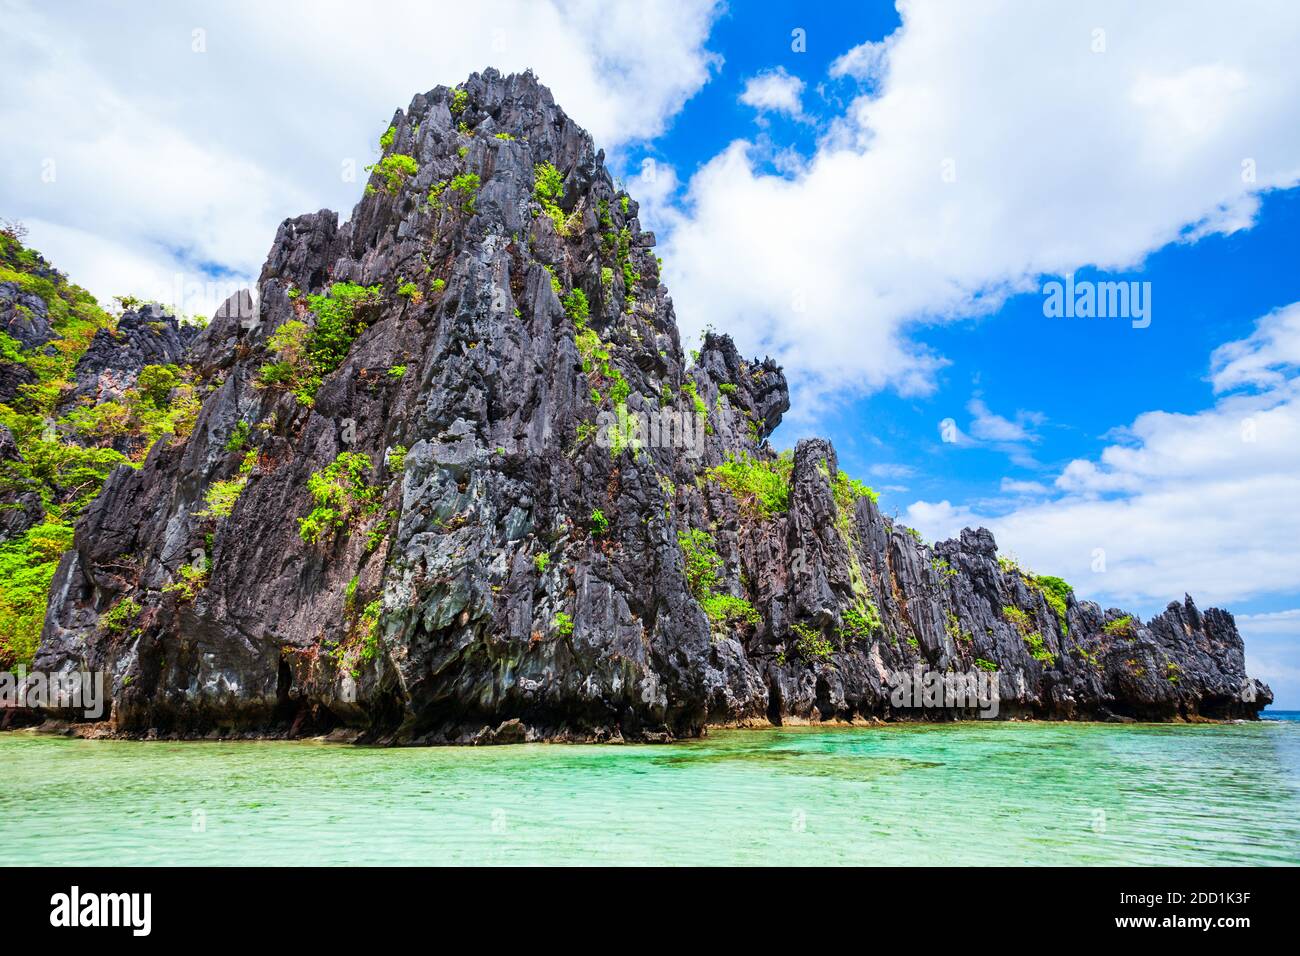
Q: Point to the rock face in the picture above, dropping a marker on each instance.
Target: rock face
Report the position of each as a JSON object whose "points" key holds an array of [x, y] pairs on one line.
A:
{"points": [[497, 562], [24, 315], [19, 508]]}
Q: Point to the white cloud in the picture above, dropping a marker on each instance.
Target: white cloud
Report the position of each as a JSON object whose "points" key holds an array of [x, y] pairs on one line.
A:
{"points": [[988, 426], [938, 520], [1264, 359], [774, 91], [168, 159], [149, 274], [654, 186], [1203, 503], [1011, 486], [1273, 622], [1061, 158], [866, 62], [891, 470], [989, 430]]}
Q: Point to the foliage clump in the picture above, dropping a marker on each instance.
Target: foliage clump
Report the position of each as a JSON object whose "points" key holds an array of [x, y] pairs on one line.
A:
{"points": [[548, 190], [62, 462], [859, 621], [121, 614], [191, 579], [955, 631], [467, 185], [848, 490], [576, 307], [1038, 650], [162, 402], [62, 476], [1057, 594], [360, 643], [1120, 627], [221, 496], [691, 392], [306, 354], [1032, 638], [811, 643], [395, 169], [703, 578], [623, 255], [1017, 617], [342, 493], [238, 436], [761, 487]]}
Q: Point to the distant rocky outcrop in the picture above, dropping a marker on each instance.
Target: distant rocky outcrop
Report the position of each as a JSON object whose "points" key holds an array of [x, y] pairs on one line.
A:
{"points": [[146, 335], [403, 508], [81, 392]]}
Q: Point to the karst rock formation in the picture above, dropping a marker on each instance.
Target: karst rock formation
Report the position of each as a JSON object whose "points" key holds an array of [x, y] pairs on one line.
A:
{"points": [[418, 525]]}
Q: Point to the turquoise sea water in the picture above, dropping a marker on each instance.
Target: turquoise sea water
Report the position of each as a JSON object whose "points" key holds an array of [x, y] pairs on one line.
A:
{"points": [[971, 793]]}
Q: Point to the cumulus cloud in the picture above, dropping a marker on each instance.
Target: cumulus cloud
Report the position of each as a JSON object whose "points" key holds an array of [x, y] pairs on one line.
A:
{"points": [[774, 91], [991, 146], [1201, 502], [179, 136]]}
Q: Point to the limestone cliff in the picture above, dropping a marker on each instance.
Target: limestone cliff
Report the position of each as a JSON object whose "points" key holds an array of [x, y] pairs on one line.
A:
{"points": [[402, 508]]}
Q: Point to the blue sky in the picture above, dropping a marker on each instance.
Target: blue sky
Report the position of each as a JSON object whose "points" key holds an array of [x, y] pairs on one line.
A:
{"points": [[756, 36], [878, 210]]}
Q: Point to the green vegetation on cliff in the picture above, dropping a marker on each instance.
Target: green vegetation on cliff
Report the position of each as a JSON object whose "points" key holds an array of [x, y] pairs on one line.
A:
{"points": [[761, 488], [704, 568], [50, 473], [342, 493], [306, 354], [548, 189]]}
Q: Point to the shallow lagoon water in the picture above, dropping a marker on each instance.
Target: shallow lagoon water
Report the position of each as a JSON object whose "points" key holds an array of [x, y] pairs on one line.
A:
{"points": [[946, 794]]}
